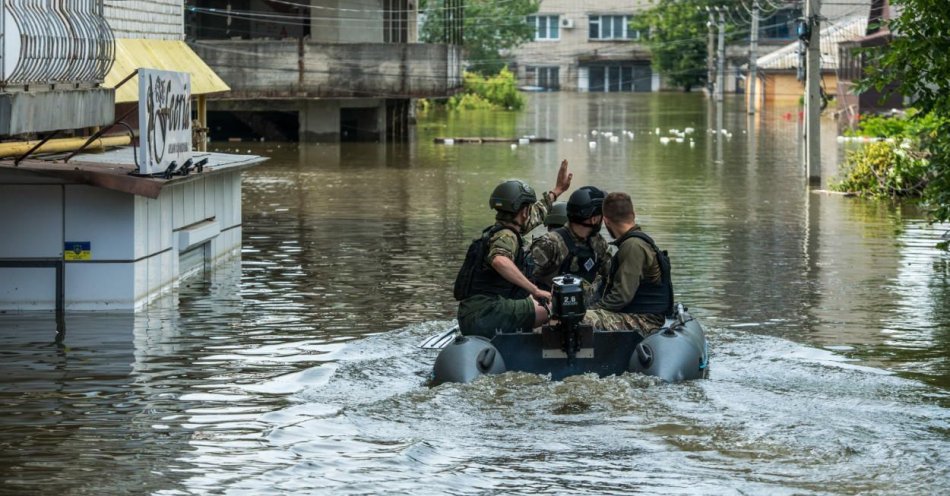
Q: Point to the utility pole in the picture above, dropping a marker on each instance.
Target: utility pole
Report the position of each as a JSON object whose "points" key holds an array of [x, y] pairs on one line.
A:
{"points": [[812, 126], [752, 78], [710, 52], [721, 67]]}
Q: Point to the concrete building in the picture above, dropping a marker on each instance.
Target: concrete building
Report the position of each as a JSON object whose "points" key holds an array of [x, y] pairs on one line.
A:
{"points": [[85, 230], [319, 70], [586, 46]]}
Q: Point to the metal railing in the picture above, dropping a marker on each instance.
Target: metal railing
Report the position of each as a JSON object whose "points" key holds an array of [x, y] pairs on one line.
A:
{"points": [[54, 42]]}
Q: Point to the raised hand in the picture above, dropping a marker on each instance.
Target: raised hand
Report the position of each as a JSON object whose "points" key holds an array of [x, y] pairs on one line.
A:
{"points": [[563, 179]]}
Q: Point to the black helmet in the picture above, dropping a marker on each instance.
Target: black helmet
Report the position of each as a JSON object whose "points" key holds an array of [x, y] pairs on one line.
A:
{"points": [[557, 217], [585, 203], [510, 196]]}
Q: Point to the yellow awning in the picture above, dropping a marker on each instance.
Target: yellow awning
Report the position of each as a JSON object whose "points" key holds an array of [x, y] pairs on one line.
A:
{"points": [[168, 55]]}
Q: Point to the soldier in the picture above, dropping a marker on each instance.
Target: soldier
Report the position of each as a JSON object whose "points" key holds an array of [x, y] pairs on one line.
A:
{"points": [[557, 217], [638, 293], [493, 290], [577, 248]]}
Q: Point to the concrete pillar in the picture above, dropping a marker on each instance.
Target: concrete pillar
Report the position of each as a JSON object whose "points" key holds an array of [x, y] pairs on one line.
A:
{"points": [[320, 121]]}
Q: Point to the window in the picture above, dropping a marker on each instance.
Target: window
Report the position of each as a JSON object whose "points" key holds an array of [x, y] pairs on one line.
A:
{"points": [[630, 76], [780, 25], [544, 77], [611, 27], [546, 27]]}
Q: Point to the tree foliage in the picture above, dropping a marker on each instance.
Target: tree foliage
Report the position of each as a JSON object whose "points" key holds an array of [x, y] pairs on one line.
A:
{"points": [[916, 62], [489, 27], [678, 39]]}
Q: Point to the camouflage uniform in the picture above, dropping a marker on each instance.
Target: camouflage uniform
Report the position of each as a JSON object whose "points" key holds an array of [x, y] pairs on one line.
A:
{"points": [[637, 261], [549, 252], [485, 315]]}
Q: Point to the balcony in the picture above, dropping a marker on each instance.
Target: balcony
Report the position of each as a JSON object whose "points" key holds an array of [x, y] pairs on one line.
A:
{"points": [[285, 69], [55, 55]]}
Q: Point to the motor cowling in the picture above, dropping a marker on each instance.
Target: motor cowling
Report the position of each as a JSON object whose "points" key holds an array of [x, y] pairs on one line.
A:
{"points": [[567, 295]]}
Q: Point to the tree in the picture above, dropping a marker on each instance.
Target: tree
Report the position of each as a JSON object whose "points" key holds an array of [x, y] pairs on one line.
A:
{"points": [[677, 39], [916, 62], [489, 27]]}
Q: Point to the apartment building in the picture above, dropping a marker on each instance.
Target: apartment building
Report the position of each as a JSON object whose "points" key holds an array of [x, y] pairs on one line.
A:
{"points": [[586, 46], [320, 70]]}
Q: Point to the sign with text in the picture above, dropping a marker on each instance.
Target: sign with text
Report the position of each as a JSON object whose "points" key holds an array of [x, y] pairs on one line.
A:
{"points": [[164, 120]]}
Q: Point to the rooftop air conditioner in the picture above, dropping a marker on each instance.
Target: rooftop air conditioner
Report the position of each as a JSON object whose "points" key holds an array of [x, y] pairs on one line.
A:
{"points": [[567, 23]]}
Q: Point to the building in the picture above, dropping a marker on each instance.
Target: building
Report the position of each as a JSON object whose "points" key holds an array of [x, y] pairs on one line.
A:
{"points": [[85, 230], [586, 46], [852, 58], [779, 81], [319, 70]]}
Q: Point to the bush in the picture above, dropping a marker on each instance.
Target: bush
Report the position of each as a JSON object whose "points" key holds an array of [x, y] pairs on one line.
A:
{"points": [[495, 92], [886, 169]]}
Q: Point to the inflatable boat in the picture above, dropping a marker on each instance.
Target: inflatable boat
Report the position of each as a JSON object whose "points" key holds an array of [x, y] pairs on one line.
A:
{"points": [[676, 352]]}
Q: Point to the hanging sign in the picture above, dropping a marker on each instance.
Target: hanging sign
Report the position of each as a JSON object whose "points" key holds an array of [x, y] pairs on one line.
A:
{"points": [[164, 120]]}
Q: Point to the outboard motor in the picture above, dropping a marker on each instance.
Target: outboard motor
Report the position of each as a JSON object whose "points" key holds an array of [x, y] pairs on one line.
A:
{"points": [[466, 359], [568, 308], [675, 353]]}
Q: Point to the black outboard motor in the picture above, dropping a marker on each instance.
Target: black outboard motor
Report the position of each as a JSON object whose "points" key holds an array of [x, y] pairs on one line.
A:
{"points": [[568, 308]]}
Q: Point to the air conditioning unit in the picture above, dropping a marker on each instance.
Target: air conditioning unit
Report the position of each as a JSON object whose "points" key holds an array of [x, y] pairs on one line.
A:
{"points": [[567, 23]]}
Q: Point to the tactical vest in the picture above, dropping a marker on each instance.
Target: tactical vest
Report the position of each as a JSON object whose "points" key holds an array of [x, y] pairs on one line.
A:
{"points": [[650, 297], [587, 262], [487, 281]]}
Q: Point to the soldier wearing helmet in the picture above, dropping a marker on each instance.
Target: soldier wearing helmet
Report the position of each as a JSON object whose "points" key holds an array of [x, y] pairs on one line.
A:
{"points": [[493, 287], [576, 248], [557, 217], [638, 291]]}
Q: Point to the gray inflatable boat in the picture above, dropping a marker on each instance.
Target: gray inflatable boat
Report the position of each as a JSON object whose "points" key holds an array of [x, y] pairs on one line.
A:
{"points": [[677, 352]]}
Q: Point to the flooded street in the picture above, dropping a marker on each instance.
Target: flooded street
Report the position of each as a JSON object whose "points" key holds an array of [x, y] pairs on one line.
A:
{"points": [[296, 368]]}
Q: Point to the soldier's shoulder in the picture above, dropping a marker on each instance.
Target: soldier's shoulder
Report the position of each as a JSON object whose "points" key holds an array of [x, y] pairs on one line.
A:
{"points": [[504, 236]]}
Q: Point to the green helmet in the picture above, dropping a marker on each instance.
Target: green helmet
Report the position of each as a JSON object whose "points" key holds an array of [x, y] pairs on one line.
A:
{"points": [[510, 196], [585, 203], [557, 217]]}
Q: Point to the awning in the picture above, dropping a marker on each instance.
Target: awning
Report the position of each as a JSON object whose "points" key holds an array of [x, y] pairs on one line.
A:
{"points": [[169, 55]]}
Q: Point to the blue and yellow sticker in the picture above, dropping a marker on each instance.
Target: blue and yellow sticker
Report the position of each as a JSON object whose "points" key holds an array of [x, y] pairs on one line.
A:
{"points": [[77, 250]]}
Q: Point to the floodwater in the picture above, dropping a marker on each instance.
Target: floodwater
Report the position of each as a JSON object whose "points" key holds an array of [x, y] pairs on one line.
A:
{"points": [[296, 368]]}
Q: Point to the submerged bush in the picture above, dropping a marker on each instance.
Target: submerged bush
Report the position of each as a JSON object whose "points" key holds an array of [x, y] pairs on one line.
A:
{"points": [[886, 169], [485, 93]]}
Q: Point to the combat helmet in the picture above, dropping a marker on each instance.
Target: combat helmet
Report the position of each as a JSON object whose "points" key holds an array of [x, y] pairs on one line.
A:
{"points": [[510, 196], [557, 217], [585, 203]]}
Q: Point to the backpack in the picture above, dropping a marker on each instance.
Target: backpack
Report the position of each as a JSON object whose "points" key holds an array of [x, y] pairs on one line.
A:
{"points": [[474, 258]]}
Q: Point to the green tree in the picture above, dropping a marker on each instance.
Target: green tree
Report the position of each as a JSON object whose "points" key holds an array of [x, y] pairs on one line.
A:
{"points": [[916, 62], [677, 39], [489, 28]]}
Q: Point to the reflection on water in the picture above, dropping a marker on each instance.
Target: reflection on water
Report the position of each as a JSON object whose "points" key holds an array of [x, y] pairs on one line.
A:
{"points": [[295, 369]]}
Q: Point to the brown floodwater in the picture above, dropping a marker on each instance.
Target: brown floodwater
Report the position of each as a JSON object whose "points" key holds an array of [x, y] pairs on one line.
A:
{"points": [[296, 368]]}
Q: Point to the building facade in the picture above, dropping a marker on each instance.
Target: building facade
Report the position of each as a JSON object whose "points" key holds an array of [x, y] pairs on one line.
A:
{"points": [[98, 236], [319, 70], [586, 46]]}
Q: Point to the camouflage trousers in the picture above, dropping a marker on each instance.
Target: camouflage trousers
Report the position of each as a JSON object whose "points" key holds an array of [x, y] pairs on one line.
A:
{"points": [[644, 323]]}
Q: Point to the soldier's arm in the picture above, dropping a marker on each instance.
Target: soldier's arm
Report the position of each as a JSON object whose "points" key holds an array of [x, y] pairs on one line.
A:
{"points": [[544, 253], [627, 278], [501, 258], [543, 206]]}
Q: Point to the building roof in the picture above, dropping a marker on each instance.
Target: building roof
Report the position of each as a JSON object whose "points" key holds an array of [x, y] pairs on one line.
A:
{"points": [[787, 57], [112, 170], [169, 55]]}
